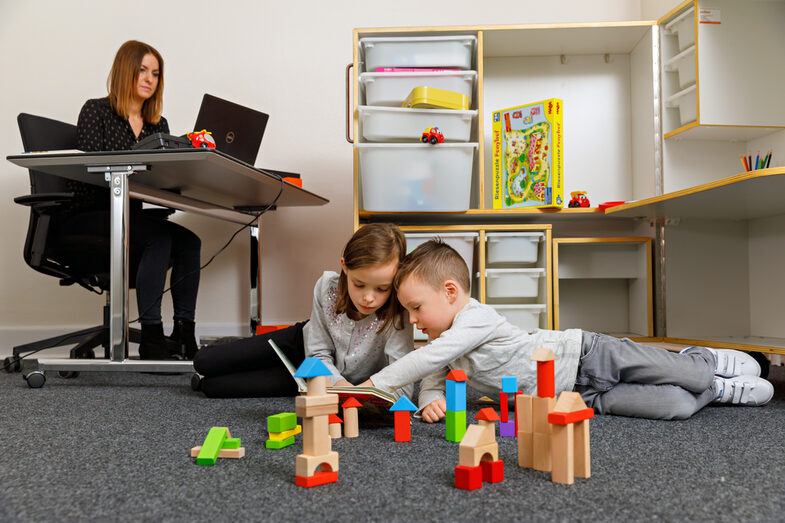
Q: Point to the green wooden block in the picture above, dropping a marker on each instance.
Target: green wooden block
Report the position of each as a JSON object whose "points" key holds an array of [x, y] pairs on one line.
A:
{"points": [[456, 425], [232, 443], [281, 422], [212, 446], [279, 444]]}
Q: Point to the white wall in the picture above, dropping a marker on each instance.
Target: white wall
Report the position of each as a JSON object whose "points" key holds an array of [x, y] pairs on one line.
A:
{"points": [[284, 58]]}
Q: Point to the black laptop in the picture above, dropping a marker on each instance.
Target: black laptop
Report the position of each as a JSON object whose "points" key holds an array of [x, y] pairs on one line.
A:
{"points": [[237, 130]]}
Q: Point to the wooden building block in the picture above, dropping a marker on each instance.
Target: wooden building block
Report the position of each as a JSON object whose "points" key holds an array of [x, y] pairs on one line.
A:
{"points": [[468, 478], [351, 425], [472, 456], [492, 471], [541, 452], [316, 436], [563, 455], [232, 443], [455, 425], [504, 415], [523, 412], [286, 434], [526, 450], [507, 429], [212, 446], [224, 453], [310, 406], [317, 386], [541, 407], [582, 449], [279, 443], [320, 478], [281, 422], [403, 426], [305, 465]]}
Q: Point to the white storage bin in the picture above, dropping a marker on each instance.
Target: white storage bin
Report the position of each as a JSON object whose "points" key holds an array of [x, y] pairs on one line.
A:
{"points": [[513, 247], [513, 283], [684, 65], [416, 177], [400, 124], [463, 242], [683, 26], [392, 88], [525, 317], [418, 51], [686, 102]]}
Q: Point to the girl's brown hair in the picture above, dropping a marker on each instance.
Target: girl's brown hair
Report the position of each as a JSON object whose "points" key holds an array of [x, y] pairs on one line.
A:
{"points": [[373, 244], [121, 83]]}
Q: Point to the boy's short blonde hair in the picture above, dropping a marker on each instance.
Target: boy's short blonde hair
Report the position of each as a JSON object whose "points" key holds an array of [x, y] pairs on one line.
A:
{"points": [[434, 262]]}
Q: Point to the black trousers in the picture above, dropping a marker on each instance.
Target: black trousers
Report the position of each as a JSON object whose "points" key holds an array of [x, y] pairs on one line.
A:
{"points": [[154, 244], [250, 368]]}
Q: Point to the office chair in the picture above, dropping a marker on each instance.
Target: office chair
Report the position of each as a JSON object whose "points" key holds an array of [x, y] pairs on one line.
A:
{"points": [[80, 259]]}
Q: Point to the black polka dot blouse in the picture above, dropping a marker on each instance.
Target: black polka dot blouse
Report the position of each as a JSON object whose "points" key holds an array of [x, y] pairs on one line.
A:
{"points": [[99, 128]]}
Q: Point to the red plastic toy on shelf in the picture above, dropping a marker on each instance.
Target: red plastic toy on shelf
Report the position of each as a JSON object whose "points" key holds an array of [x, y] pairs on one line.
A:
{"points": [[202, 139], [433, 135], [578, 199]]}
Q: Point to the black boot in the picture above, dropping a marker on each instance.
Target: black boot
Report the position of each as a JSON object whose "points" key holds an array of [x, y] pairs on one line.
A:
{"points": [[153, 345], [183, 335]]}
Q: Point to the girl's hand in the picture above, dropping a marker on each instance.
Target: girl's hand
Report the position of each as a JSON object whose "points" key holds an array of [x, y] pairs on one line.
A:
{"points": [[343, 383], [434, 411]]}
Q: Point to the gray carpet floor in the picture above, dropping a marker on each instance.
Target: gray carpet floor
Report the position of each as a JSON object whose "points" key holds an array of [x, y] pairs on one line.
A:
{"points": [[114, 447]]}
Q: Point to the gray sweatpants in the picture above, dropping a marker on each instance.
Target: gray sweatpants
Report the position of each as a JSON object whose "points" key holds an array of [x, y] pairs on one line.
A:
{"points": [[624, 378]]}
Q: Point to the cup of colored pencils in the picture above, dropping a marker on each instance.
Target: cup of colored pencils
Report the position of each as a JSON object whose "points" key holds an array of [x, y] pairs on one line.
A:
{"points": [[759, 162]]}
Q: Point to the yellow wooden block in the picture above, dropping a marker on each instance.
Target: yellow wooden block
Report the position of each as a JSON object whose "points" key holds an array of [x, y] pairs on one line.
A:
{"points": [[278, 436]]}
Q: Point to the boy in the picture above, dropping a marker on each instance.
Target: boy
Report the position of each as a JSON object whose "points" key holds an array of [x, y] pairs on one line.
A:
{"points": [[614, 376]]}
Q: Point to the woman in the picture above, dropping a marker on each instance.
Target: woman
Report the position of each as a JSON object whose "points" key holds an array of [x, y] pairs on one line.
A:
{"points": [[131, 112]]}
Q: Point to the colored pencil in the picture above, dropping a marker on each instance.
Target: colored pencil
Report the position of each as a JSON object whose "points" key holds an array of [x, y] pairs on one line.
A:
{"points": [[757, 161], [744, 163]]}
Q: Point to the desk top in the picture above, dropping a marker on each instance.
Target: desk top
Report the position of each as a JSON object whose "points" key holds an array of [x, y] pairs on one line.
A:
{"points": [[201, 174]]}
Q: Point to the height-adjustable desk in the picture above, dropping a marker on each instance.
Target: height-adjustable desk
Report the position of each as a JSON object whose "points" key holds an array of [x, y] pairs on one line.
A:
{"points": [[203, 181]]}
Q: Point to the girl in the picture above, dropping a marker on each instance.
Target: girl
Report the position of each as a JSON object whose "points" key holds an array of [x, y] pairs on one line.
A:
{"points": [[130, 112], [356, 328]]}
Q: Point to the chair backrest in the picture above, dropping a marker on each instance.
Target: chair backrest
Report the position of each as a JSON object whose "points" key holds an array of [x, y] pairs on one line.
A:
{"points": [[44, 134]]}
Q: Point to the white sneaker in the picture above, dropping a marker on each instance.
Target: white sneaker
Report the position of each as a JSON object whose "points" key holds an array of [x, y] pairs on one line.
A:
{"points": [[749, 391], [731, 362]]}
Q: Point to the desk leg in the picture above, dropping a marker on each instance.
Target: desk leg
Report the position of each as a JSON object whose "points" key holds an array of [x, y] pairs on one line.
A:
{"points": [[256, 275], [118, 293]]}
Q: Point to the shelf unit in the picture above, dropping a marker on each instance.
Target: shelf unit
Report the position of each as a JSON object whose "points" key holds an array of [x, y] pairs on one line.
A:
{"points": [[620, 142]]}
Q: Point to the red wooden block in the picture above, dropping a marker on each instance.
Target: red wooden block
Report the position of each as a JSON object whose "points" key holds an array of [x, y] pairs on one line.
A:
{"points": [[468, 478], [516, 413], [504, 406], [321, 477], [492, 471], [565, 418], [403, 426], [545, 377]]}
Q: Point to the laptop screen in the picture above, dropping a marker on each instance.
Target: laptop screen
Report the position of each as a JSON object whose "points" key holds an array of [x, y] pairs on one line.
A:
{"points": [[237, 130]]}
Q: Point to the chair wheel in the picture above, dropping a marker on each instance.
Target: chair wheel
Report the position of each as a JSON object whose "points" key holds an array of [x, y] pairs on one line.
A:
{"points": [[35, 379], [196, 382], [12, 364], [68, 374]]}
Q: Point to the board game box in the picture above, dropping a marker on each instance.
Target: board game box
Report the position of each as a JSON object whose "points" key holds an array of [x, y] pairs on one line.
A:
{"points": [[528, 161]]}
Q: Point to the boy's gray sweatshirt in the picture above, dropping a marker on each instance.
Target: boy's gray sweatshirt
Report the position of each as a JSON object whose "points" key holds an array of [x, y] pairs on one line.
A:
{"points": [[487, 347], [352, 350]]}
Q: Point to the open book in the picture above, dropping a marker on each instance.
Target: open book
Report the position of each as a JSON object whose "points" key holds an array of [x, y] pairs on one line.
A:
{"points": [[364, 395]]}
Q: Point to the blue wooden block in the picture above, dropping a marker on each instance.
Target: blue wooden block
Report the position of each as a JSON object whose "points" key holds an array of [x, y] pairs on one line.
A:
{"points": [[510, 384], [456, 395], [507, 429]]}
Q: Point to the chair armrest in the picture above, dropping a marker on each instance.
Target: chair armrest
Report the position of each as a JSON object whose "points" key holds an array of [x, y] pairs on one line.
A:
{"points": [[41, 201]]}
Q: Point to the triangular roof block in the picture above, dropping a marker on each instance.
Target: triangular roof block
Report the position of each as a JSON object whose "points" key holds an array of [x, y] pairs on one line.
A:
{"points": [[541, 354], [569, 402], [311, 368], [457, 375], [403, 403], [351, 403], [487, 414], [334, 419]]}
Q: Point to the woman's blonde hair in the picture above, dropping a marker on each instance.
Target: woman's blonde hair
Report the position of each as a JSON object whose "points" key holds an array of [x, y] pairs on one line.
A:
{"points": [[373, 244], [121, 83]]}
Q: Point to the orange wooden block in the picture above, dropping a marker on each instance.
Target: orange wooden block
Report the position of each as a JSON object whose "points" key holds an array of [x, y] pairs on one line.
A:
{"points": [[565, 418], [320, 478], [403, 425]]}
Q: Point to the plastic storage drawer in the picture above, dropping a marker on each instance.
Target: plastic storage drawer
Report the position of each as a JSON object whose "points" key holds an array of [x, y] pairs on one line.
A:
{"points": [[687, 103], [462, 242], [391, 89], [395, 124], [683, 26], [525, 317], [418, 51], [684, 65], [416, 177], [513, 283], [513, 247]]}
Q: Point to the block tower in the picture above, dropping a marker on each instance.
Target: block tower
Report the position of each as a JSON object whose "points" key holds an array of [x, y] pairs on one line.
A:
{"points": [[570, 440], [318, 464], [403, 420], [478, 454], [534, 431], [455, 422], [507, 427]]}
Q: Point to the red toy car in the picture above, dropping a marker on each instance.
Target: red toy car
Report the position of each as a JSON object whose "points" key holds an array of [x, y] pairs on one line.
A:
{"points": [[433, 135], [579, 199], [202, 139]]}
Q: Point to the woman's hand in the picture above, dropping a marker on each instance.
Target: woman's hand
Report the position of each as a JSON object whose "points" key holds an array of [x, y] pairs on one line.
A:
{"points": [[434, 411]]}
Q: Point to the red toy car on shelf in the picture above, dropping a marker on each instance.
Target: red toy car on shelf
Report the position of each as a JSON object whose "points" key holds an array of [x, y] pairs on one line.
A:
{"points": [[579, 199], [433, 135], [202, 139]]}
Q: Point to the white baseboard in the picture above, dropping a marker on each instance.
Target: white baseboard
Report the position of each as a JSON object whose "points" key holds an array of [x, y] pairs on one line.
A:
{"points": [[10, 337]]}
